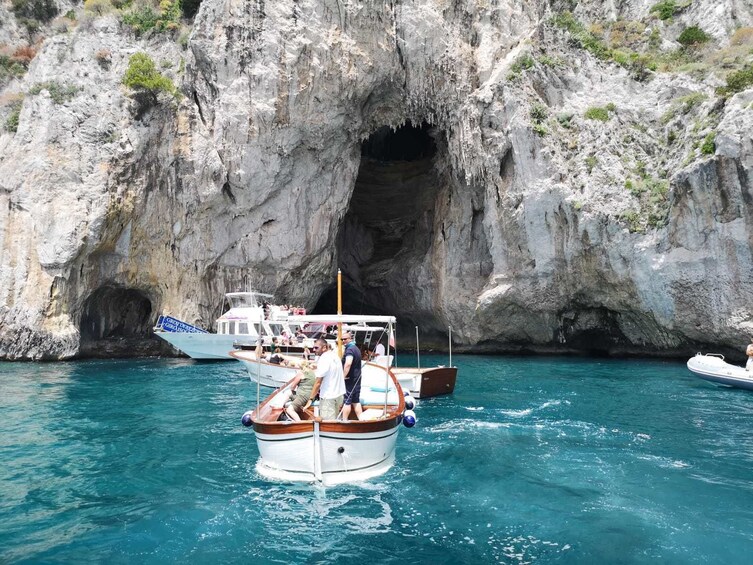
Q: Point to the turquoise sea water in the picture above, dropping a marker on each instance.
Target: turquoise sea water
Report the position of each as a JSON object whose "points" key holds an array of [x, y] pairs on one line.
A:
{"points": [[553, 460]]}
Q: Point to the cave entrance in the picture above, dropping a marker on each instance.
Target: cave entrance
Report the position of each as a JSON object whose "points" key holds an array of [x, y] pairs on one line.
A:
{"points": [[387, 232], [117, 322]]}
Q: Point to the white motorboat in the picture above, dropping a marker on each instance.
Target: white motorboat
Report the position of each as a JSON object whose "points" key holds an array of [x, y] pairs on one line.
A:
{"points": [[714, 368], [245, 321], [331, 451]]}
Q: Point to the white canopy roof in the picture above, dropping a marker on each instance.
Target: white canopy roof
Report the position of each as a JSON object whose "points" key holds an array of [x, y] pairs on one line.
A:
{"points": [[250, 293], [343, 318]]}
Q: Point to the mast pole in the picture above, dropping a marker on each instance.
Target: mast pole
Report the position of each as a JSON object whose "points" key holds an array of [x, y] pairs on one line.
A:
{"points": [[387, 372], [339, 313], [450, 339], [259, 351], [418, 350]]}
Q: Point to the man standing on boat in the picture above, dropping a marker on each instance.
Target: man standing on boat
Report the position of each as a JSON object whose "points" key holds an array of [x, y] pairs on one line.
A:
{"points": [[330, 383], [352, 371]]}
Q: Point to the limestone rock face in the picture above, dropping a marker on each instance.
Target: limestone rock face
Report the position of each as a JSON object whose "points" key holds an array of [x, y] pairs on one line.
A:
{"points": [[401, 142]]}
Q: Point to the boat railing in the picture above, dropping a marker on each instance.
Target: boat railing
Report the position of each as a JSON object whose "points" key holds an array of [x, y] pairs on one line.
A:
{"points": [[712, 355]]}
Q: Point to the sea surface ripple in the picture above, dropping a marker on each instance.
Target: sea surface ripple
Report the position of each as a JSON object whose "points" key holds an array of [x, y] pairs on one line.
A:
{"points": [[549, 460]]}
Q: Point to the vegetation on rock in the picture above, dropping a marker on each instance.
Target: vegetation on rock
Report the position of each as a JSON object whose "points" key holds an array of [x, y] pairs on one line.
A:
{"points": [[708, 147], [693, 35], [11, 123], [144, 16], [60, 93], [142, 76]]}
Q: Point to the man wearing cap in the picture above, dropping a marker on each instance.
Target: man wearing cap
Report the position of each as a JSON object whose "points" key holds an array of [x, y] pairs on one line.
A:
{"points": [[330, 383], [352, 371]]}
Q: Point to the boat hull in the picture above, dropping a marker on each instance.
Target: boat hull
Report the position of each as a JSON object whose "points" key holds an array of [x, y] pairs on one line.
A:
{"points": [[425, 383], [344, 457], [201, 345], [714, 369]]}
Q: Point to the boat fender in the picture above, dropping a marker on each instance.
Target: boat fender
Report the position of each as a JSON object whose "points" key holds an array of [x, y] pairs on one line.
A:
{"points": [[409, 418], [410, 403], [246, 419]]}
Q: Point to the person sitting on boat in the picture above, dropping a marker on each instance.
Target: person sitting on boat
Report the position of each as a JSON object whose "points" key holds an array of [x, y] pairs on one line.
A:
{"points": [[379, 349], [330, 383], [352, 372], [749, 353], [303, 384], [365, 353], [274, 346]]}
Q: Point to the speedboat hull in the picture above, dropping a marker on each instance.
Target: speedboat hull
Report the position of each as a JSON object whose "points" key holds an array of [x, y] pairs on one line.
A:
{"points": [[201, 345], [268, 374], [715, 369]]}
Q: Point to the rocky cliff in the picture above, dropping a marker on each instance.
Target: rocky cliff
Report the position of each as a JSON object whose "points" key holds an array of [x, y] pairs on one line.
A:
{"points": [[541, 176]]}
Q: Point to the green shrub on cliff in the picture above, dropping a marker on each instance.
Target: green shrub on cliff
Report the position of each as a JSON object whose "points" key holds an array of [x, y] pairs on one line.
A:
{"points": [[693, 35], [60, 93], [11, 123], [142, 76], [143, 17], [39, 10], [708, 147], [739, 80], [664, 10], [597, 113]]}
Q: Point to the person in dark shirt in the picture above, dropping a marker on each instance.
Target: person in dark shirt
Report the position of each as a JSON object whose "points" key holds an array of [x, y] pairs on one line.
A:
{"points": [[352, 372]]}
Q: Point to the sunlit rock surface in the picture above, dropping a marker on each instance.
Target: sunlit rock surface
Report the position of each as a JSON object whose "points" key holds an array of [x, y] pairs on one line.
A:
{"points": [[392, 140]]}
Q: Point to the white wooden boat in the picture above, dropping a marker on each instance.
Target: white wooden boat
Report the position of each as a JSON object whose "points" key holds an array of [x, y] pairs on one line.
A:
{"points": [[245, 321], [331, 451], [715, 369], [418, 382], [428, 381]]}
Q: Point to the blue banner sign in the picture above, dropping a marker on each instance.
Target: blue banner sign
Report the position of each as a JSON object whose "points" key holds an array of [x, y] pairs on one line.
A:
{"points": [[170, 324]]}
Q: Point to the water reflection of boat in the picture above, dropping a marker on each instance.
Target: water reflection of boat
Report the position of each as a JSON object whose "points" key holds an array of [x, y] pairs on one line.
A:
{"points": [[331, 451], [247, 319], [715, 369]]}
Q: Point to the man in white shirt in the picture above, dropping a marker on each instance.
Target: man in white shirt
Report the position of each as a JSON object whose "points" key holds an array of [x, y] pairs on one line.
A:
{"points": [[330, 382], [379, 349]]}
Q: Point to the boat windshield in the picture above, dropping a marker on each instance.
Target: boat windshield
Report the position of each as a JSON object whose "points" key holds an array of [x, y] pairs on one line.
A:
{"points": [[242, 300]]}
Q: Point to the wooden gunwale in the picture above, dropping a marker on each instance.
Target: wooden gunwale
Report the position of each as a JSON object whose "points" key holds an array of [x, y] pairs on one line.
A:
{"points": [[333, 426]]}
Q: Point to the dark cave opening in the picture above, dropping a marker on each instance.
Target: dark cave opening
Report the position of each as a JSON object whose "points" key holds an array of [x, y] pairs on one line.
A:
{"points": [[388, 228], [117, 321]]}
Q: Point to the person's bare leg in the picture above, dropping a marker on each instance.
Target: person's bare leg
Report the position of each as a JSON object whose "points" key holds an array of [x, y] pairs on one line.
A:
{"points": [[346, 412], [290, 411], [358, 409]]}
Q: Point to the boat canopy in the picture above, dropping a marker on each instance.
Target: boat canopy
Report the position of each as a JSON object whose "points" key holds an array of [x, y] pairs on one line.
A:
{"points": [[343, 318], [245, 299]]}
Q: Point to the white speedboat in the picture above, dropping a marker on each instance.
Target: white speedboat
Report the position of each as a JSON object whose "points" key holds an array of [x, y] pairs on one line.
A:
{"points": [[714, 368], [246, 321], [331, 451]]}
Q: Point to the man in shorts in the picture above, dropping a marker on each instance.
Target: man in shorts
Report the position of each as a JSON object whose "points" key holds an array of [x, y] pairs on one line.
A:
{"points": [[352, 371], [330, 383]]}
